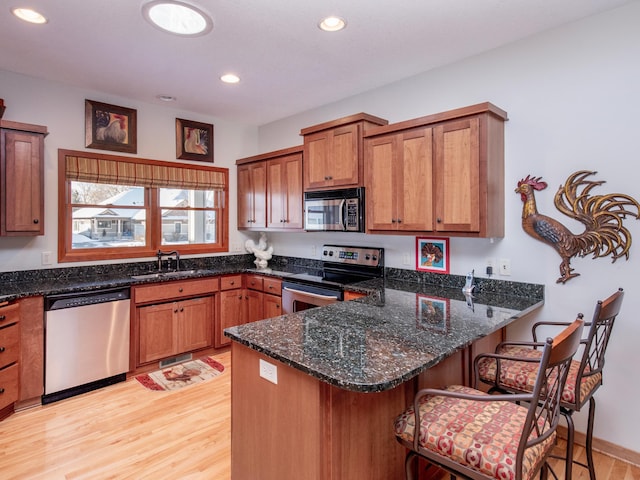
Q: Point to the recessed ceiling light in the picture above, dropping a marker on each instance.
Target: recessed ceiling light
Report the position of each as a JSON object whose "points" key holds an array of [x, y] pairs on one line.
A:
{"points": [[332, 24], [177, 17], [230, 78], [29, 15], [166, 98]]}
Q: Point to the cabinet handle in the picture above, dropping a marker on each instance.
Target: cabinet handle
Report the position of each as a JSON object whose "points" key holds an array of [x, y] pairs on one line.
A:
{"points": [[393, 220], [240, 297], [277, 305], [246, 297], [270, 287], [182, 309], [36, 221], [2, 317], [2, 349], [1, 390], [232, 282], [439, 220], [180, 289], [399, 220]]}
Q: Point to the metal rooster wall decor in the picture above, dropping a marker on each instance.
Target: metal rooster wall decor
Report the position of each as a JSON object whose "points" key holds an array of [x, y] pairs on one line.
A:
{"points": [[602, 216]]}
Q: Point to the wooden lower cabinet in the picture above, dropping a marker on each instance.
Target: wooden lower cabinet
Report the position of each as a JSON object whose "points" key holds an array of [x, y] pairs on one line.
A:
{"points": [[169, 329], [257, 298]]}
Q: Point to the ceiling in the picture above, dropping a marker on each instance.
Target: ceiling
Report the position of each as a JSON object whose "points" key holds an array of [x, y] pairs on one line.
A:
{"points": [[287, 65]]}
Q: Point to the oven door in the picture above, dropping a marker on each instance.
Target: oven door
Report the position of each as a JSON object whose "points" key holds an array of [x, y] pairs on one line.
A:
{"points": [[297, 297]]}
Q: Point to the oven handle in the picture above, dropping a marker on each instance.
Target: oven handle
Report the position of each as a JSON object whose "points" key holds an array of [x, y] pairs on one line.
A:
{"points": [[316, 295]]}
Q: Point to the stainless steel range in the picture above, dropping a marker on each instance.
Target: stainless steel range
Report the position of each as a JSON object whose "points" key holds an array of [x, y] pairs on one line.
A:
{"points": [[341, 265]]}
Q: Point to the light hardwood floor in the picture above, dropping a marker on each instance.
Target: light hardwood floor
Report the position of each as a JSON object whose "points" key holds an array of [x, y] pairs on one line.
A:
{"points": [[128, 432]]}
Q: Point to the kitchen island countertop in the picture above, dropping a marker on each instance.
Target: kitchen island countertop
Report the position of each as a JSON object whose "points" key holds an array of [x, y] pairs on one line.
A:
{"points": [[376, 343]]}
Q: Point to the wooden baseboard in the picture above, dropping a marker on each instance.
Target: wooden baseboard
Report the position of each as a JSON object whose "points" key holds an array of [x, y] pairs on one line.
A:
{"points": [[602, 446]]}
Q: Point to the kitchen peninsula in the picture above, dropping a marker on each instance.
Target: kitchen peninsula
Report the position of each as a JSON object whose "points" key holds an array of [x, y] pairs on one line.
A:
{"points": [[333, 378]]}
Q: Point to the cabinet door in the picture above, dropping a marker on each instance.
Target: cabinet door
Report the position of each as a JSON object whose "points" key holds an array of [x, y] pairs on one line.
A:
{"points": [[381, 207], [414, 179], [158, 332], [254, 306], [231, 314], [292, 181], [23, 183], [252, 192], [195, 324], [342, 162], [457, 154], [272, 305], [284, 193], [316, 153]]}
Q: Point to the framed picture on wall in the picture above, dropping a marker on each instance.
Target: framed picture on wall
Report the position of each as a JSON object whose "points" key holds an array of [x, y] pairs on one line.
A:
{"points": [[110, 127], [432, 254], [432, 313], [194, 140]]}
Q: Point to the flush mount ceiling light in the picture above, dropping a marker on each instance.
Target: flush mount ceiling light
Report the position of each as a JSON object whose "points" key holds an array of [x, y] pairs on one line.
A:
{"points": [[177, 17], [29, 15], [230, 78], [332, 24]]}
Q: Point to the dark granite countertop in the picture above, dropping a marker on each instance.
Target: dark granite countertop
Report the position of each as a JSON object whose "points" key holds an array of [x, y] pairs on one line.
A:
{"points": [[376, 343]]}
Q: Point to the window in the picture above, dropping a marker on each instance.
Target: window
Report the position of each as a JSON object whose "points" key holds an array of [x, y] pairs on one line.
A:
{"points": [[122, 207]]}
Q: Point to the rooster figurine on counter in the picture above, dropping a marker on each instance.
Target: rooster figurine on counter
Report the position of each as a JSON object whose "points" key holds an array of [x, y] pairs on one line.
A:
{"points": [[261, 250], [602, 216]]}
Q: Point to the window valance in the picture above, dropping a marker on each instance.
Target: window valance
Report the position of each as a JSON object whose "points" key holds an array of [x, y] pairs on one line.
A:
{"points": [[142, 172]]}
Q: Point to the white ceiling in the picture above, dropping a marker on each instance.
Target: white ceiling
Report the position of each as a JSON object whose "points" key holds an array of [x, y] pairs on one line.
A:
{"points": [[287, 65]]}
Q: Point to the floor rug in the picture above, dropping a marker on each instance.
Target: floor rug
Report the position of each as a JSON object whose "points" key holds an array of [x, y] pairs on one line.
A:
{"points": [[181, 375]]}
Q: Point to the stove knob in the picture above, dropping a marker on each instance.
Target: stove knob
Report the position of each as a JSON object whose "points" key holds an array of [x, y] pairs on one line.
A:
{"points": [[325, 253], [367, 257], [375, 257], [331, 253]]}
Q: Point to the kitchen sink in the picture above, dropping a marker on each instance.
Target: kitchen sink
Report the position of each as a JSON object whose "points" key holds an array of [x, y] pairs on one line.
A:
{"points": [[150, 276]]}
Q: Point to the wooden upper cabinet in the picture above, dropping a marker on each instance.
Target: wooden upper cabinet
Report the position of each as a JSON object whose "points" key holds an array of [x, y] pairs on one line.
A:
{"points": [[443, 173], [22, 179], [333, 152], [252, 193], [399, 181], [279, 204], [284, 192]]}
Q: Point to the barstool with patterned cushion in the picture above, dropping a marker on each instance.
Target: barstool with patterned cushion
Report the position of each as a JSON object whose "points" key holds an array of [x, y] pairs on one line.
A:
{"points": [[480, 436], [585, 373]]}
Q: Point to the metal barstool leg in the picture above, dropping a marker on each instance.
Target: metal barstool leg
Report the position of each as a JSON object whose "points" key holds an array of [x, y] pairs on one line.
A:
{"points": [[568, 470], [407, 465], [592, 414]]}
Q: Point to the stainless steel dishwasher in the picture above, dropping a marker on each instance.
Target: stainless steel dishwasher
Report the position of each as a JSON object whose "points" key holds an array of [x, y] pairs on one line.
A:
{"points": [[86, 341]]}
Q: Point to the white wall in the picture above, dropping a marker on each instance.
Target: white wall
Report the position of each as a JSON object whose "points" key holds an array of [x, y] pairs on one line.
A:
{"points": [[572, 99], [61, 109]]}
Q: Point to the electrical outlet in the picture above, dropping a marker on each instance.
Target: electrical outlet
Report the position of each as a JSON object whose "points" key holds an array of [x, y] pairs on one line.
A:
{"points": [[505, 266], [236, 247], [46, 258], [406, 259], [269, 371]]}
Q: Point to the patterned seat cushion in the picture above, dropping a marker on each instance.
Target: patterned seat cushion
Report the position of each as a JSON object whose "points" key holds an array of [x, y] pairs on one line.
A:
{"points": [[481, 435], [521, 376]]}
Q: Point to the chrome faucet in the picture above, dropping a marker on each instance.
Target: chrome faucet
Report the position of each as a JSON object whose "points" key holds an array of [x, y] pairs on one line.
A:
{"points": [[160, 254]]}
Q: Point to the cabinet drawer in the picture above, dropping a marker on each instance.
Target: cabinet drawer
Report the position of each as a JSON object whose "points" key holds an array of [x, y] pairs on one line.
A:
{"points": [[8, 385], [272, 286], [162, 292], [254, 282], [9, 345], [9, 314], [230, 282]]}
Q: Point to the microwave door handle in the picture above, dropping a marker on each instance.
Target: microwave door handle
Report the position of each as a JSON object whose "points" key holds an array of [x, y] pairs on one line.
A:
{"points": [[343, 210]]}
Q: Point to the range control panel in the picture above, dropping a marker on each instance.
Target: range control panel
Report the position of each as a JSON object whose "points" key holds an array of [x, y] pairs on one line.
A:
{"points": [[368, 256]]}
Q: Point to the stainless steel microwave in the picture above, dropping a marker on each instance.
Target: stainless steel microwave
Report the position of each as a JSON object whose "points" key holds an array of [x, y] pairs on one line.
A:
{"points": [[334, 210]]}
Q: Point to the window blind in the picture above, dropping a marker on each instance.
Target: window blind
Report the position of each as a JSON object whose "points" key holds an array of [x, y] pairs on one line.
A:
{"points": [[144, 173]]}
